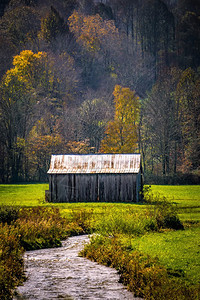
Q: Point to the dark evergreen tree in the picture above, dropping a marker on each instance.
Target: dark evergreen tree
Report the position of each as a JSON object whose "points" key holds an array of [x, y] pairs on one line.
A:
{"points": [[104, 11], [52, 25], [157, 30], [187, 34], [3, 5]]}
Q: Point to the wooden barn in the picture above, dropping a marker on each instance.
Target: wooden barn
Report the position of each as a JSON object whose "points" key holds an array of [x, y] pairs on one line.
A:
{"points": [[95, 177]]}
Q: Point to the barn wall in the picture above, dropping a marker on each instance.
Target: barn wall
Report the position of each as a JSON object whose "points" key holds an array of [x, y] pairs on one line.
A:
{"points": [[94, 187], [73, 187], [138, 184], [52, 188], [117, 187], [86, 187], [61, 187]]}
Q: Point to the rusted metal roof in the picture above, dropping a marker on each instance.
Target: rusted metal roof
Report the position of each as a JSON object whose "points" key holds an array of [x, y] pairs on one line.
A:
{"points": [[94, 163]]}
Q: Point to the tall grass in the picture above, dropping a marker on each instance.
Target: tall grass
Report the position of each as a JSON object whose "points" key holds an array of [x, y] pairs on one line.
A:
{"points": [[159, 214], [132, 222], [11, 260], [139, 230], [164, 211], [144, 276], [27, 229]]}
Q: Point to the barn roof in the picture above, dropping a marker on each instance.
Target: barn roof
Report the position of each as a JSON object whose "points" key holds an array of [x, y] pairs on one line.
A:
{"points": [[94, 163]]}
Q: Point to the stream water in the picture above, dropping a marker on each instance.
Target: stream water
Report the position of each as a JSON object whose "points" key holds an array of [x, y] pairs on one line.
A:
{"points": [[59, 273]]}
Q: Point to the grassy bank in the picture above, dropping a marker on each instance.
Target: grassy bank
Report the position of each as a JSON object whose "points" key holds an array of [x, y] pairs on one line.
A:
{"points": [[155, 261], [137, 232], [145, 276], [28, 228], [181, 251]]}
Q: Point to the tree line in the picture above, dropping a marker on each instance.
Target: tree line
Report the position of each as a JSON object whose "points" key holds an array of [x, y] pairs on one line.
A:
{"points": [[99, 76]]}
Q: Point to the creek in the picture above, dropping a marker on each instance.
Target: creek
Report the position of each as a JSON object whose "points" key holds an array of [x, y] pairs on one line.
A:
{"points": [[60, 273]]}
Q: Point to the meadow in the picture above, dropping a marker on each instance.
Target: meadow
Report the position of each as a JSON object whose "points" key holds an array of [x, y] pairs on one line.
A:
{"points": [[148, 235], [186, 197]]}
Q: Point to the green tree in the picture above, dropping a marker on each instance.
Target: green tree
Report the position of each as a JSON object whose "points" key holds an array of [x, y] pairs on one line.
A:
{"points": [[122, 132]]}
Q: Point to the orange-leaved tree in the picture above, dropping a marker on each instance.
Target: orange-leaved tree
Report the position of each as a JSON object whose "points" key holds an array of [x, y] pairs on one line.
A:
{"points": [[121, 135], [93, 32], [38, 152]]}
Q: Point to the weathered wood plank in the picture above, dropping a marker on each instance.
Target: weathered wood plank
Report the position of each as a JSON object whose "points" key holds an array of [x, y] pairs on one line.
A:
{"points": [[94, 187]]}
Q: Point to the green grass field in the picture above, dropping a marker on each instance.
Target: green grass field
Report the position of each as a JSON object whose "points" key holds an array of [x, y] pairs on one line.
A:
{"points": [[34, 195], [177, 250], [22, 194], [187, 198]]}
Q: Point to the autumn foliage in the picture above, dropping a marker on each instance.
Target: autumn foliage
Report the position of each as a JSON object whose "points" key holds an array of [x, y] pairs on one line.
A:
{"points": [[59, 65], [92, 31], [122, 132]]}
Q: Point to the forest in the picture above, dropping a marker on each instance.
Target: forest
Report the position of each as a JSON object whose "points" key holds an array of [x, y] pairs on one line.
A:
{"points": [[88, 76]]}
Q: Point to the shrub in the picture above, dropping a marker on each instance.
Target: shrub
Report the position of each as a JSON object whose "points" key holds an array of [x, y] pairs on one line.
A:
{"points": [[83, 218], [42, 227], [162, 210], [11, 261], [8, 214], [166, 215]]}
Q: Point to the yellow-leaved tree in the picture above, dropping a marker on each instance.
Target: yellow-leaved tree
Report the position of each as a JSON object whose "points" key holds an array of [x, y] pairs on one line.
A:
{"points": [[17, 102], [121, 135]]}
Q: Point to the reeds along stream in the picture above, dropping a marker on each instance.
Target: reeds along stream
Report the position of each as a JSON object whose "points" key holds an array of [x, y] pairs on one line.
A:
{"points": [[60, 273]]}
